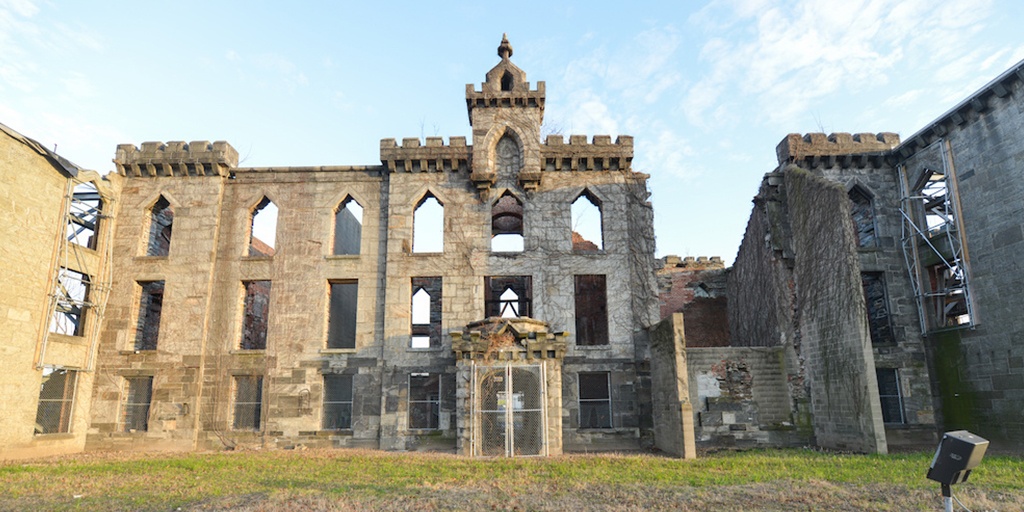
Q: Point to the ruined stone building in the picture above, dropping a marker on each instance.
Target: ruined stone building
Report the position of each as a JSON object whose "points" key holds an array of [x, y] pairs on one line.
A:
{"points": [[450, 298]]}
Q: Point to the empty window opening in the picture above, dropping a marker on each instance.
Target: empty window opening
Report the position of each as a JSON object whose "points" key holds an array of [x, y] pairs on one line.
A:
{"points": [[84, 218], [56, 401], [945, 298], [508, 158], [341, 324], [586, 224], [595, 400], [263, 229], [428, 225], [71, 294], [161, 223], [337, 402], [506, 81], [248, 402], [879, 322], [508, 296], [426, 312], [862, 213], [348, 227], [151, 304], [507, 224], [424, 400], [933, 194], [890, 395], [138, 395], [591, 310], [256, 315]]}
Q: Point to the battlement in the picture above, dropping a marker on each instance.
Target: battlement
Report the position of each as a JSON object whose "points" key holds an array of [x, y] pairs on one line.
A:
{"points": [[843, 147], [578, 155], [691, 263], [433, 156], [175, 158]]}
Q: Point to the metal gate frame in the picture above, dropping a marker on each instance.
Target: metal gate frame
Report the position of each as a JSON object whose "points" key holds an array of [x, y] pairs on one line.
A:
{"points": [[476, 413]]}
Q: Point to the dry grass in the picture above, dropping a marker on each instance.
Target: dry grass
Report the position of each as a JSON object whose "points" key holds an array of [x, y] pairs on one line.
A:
{"points": [[368, 480]]}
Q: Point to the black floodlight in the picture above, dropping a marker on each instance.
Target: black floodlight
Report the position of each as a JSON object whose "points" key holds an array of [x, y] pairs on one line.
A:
{"points": [[958, 453]]}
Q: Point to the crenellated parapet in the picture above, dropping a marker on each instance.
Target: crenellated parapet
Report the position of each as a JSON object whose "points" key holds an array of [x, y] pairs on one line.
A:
{"points": [[579, 155], [843, 149], [175, 158], [433, 156]]}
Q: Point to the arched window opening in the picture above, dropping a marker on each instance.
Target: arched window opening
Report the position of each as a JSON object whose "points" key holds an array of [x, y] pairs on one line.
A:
{"points": [[507, 224], [160, 227], [348, 227], [263, 229], [587, 228], [507, 157], [428, 225], [862, 212], [507, 81]]}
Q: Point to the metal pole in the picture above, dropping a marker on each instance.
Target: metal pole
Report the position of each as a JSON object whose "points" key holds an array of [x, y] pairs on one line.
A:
{"points": [[947, 497]]}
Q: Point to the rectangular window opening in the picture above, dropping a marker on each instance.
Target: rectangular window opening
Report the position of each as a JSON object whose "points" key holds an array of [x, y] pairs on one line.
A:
{"points": [[879, 322], [248, 402], [138, 395], [890, 395], [424, 400], [151, 304], [595, 400], [56, 401], [508, 296], [84, 215], [591, 310], [337, 402], [256, 314], [426, 312], [344, 304], [72, 295]]}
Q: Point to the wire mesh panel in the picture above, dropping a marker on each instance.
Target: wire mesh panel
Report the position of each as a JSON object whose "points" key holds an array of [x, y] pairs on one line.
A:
{"points": [[510, 416], [56, 401]]}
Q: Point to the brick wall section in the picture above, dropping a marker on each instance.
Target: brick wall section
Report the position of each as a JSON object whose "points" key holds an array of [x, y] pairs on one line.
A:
{"points": [[696, 287]]}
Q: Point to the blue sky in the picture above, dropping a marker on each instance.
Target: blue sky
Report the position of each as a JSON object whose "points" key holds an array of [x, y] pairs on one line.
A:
{"points": [[706, 89]]}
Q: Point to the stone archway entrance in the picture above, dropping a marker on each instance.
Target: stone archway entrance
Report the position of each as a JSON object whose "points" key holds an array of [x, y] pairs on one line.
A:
{"points": [[510, 410], [509, 396]]}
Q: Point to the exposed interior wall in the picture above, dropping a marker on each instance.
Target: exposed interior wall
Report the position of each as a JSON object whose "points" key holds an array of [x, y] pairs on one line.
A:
{"points": [[672, 407]]}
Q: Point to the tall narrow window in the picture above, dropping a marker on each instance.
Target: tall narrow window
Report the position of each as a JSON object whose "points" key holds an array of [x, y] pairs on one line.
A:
{"points": [[424, 400], [507, 224], [161, 223], [248, 402], [586, 223], [506, 81], [138, 394], [428, 225], [890, 395], [337, 402], [591, 310], [151, 305], [341, 324], [879, 323], [348, 227], [84, 218], [56, 401], [508, 296], [426, 312], [508, 159], [263, 229], [862, 213], [256, 315], [595, 400], [72, 295]]}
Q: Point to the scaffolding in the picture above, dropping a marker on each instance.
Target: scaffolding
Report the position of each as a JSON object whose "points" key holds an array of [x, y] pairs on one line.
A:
{"points": [[932, 241], [81, 274]]}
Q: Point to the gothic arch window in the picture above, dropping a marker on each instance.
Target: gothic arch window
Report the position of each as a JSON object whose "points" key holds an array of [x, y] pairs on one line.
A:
{"points": [[348, 227], [507, 224], [507, 157], [587, 226], [263, 228], [428, 225], [862, 213], [507, 81], [161, 221]]}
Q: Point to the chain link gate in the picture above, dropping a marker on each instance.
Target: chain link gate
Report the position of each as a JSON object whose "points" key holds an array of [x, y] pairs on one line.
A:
{"points": [[510, 411]]}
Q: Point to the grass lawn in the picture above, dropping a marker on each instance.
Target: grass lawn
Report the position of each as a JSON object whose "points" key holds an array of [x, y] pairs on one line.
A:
{"points": [[368, 480]]}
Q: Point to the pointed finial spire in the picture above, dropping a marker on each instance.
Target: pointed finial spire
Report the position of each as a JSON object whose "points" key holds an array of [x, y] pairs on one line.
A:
{"points": [[504, 49]]}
